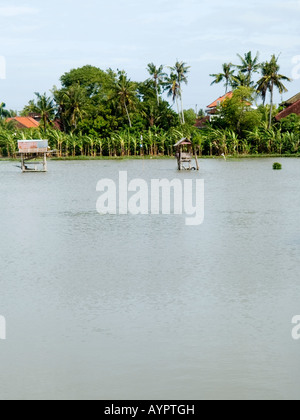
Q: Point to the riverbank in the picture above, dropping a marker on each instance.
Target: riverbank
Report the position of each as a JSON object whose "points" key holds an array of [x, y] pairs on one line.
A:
{"points": [[87, 158]]}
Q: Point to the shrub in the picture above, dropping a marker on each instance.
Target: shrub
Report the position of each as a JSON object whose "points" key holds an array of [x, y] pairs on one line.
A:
{"points": [[277, 166]]}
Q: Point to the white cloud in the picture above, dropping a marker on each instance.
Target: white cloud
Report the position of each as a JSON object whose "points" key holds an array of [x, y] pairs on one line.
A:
{"points": [[17, 11]]}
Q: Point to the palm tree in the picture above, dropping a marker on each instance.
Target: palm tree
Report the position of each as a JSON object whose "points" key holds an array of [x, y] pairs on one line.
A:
{"points": [[249, 65], [226, 76], [180, 70], [71, 103], [158, 77], [44, 107], [75, 99], [173, 89], [240, 79], [271, 78], [263, 88], [123, 93]]}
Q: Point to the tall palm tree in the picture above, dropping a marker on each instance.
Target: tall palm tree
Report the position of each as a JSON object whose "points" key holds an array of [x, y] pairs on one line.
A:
{"points": [[263, 88], [270, 79], [123, 93], [158, 77], [180, 70], [74, 100], [226, 76], [173, 90], [44, 107], [71, 103], [249, 65]]}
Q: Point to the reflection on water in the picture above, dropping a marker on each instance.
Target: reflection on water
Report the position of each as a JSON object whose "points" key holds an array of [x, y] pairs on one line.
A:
{"points": [[144, 307]]}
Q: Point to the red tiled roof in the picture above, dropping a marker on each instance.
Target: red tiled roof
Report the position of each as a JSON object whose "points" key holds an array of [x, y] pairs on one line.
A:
{"points": [[26, 122], [292, 109], [220, 100]]}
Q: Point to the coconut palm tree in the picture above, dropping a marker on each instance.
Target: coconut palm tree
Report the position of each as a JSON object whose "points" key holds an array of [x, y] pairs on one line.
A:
{"points": [[272, 79], [180, 70], [71, 103], [240, 79], [123, 94], [44, 107], [158, 77], [249, 65], [263, 87], [173, 90], [74, 100], [226, 76]]}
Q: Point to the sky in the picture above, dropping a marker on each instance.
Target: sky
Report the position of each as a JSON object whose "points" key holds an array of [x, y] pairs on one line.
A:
{"points": [[40, 41]]}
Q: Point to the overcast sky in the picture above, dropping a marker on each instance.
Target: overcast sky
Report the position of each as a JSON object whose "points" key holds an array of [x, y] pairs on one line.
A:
{"points": [[42, 40]]}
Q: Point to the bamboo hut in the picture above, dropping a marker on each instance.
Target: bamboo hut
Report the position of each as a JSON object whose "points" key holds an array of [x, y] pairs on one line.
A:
{"points": [[33, 155], [184, 154]]}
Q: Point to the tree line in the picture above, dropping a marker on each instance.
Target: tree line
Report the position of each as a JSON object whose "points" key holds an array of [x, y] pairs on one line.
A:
{"points": [[104, 113], [270, 78]]}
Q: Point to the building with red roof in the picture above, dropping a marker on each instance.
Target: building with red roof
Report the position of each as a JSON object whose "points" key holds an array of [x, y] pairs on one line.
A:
{"points": [[212, 108], [292, 106], [24, 122]]}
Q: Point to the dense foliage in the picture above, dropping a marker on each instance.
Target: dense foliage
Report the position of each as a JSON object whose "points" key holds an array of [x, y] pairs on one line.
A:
{"points": [[104, 113]]}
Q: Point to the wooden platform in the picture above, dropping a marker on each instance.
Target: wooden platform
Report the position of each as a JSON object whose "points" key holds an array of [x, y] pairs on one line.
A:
{"points": [[27, 160], [184, 154], [33, 155]]}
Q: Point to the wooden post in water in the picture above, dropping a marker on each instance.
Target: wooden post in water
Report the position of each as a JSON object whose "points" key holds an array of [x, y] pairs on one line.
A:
{"points": [[22, 162], [45, 162], [196, 159], [179, 159]]}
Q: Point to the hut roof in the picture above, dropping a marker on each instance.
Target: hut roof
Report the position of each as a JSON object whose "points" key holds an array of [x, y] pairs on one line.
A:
{"points": [[182, 142]]}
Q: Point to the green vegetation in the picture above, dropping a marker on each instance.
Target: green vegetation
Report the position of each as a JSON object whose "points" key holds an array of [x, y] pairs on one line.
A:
{"points": [[97, 113], [277, 166], [271, 79]]}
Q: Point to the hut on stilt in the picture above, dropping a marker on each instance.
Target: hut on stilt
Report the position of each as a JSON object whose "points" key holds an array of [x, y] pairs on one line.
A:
{"points": [[184, 154], [33, 154]]}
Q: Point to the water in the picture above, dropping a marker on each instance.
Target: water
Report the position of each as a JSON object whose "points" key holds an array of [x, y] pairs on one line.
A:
{"points": [[144, 307]]}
